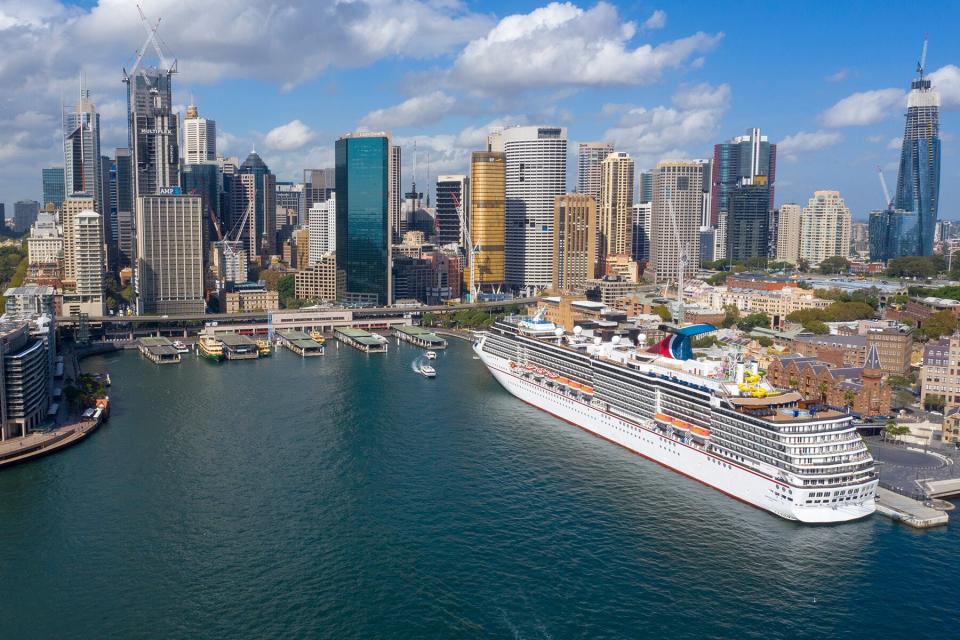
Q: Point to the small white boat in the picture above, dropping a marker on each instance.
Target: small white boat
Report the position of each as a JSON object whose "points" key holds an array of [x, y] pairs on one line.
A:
{"points": [[428, 371], [180, 347], [431, 355]]}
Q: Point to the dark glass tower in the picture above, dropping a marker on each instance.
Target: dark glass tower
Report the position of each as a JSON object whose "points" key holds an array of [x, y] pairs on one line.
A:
{"points": [[748, 221], [918, 181], [738, 162], [363, 220], [54, 187]]}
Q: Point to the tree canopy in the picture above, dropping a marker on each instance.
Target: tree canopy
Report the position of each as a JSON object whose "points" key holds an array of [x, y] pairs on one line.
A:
{"points": [[836, 264]]}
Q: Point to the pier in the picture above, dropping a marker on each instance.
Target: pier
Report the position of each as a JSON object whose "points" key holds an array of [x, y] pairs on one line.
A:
{"points": [[41, 443], [420, 337], [362, 340], [300, 343], [908, 511], [158, 350], [238, 347]]}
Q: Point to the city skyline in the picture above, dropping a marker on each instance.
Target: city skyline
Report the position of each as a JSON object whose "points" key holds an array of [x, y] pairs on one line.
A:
{"points": [[672, 99]]}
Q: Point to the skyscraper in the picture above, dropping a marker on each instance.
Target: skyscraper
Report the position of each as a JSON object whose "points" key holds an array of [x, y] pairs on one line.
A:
{"points": [[169, 273], [364, 225], [72, 207], [536, 171], [25, 214], [199, 138], [318, 184], [203, 179], [81, 150], [615, 206], [824, 228], [589, 157], [678, 234], [737, 162], [452, 191], [322, 221], [89, 264], [640, 239], [574, 240], [487, 217], [123, 229], [394, 194], [748, 221], [788, 233], [646, 186], [54, 187], [255, 195], [918, 181], [153, 131]]}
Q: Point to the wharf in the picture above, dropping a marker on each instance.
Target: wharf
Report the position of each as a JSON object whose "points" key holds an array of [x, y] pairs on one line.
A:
{"points": [[41, 443], [238, 347], [947, 488], [300, 343], [908, 511], [362, 340], [420, 337], [158, 350]]}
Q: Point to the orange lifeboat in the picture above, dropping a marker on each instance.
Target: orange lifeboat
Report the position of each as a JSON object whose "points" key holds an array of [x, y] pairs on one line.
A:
{"points": [[586, 389], [700, 431]]}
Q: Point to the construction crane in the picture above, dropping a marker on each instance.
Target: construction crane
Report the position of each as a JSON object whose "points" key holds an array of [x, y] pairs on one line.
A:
{"points": [[471, 250], [153, 40], [922, 64], [683, 253], [886, 191]]}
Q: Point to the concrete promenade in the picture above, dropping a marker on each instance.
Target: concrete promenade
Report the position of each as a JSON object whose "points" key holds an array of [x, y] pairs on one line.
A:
{"points": [[908, 511], [39, 444]]}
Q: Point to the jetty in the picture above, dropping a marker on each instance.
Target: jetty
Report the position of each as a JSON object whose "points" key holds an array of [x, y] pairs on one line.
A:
{"points": [[41, 443], [238, 347], [910, 512], [300, 343], [420, 337], [361, 340], [158, 350]]}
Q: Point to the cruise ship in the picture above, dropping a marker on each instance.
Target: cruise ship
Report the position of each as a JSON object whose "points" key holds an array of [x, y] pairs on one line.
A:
{"points": [[715, 421]]}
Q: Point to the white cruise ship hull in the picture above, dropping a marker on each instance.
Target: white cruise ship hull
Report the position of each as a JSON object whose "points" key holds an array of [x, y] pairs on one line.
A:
{"points": [[721, 474]]}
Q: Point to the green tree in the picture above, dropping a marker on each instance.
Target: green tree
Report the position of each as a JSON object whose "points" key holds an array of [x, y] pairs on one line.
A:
{"points": [[933, 402], [803, 266], [836, 264], [752, 321], [942, 323], [731, 314], [816, 327], [286, 290], [663, 312], [271, 278], [429, 319], [912, 267], [765, 341]]}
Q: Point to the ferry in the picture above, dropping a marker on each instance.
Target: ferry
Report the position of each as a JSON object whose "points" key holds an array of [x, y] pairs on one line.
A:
{"points": [[431, 355], [428, 371], [263, 348], [317, 337], [715, 421], [211, 348], [180, 347]]}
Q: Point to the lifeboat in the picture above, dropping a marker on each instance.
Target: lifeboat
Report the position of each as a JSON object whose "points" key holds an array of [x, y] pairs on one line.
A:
{"points": [[561, 380], [587, 389], [552, 375], [662, 417], [701, 432]]}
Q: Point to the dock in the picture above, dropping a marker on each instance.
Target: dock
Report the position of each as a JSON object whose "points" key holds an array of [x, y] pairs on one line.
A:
{"points": [[41, 443], [238, 347], [420, 337], [158, 350], [908, 511], [361, 340], [300, 343]]}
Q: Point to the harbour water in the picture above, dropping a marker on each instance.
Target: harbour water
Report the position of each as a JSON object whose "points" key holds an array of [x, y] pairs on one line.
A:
{"points": [[347, 496]]}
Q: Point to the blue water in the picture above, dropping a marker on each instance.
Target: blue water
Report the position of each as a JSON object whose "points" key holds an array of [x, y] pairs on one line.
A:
{"points": [[349, 497]]}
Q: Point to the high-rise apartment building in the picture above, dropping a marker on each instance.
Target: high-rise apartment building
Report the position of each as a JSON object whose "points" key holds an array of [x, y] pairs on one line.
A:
{"points": [[788, 233], [169, 273], [453, 192], [81, 150], [487, 217], [322, 221], [739, 161], [646, 186], [254, 196], [153, 131], [574, 241], [589, 157], [615, 207], [89, 265], [25, 214], [72, 207], [199, 138], [676, 235], [825, 228], [640, 239], [918, 181], [536, 171], [364, 224], [54, 187]]}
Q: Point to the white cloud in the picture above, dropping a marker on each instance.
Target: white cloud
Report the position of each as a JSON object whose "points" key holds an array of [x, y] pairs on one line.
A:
{"points": [[946, 80], [690, 124], [838, 76], [419, 110], [808, 141], [895, 143], [657, 20], [563, 45], [288, 137], [865, 107], [875, 139]]}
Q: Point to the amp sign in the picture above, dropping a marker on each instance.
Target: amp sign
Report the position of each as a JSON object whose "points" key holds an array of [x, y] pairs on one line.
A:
{"points": [[170, 191]]}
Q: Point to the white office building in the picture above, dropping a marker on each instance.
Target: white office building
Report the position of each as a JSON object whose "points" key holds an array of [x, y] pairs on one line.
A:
{"points": [[322, 225], [199, 138]]}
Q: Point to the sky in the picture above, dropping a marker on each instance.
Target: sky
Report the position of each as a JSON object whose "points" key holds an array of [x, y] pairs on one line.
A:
{"points": [[661, 80]]}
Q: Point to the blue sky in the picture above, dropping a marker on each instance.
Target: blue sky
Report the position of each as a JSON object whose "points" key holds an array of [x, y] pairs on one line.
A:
{"points": [[661, 79]]}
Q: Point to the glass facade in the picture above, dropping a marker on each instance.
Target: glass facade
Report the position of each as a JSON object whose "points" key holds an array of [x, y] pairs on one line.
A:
{"points": [[54, 187], [363, 221], [742, 158], [487, 216], [748, 223]]}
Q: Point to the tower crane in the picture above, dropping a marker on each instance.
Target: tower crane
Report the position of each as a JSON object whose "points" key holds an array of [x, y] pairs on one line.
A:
{"points": [[886, 191], [471, 249], [922, 64], [683, 253], [152, 40]]}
